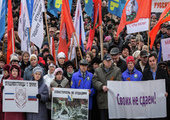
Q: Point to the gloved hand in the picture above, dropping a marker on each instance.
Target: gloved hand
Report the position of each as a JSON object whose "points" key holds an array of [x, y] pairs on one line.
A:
{"points": [[38, 96]]}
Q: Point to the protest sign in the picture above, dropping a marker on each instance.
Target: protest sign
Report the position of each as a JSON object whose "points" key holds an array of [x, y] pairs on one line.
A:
{"points": [[136, 99], [140, 26], [159, 6], [166, 49], [20, 96], [70, 104]]}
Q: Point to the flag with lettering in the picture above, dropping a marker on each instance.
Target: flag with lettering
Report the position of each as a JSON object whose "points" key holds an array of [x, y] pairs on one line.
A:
{"points": [[89, 7], [115, 7], [23, 27], [37, 35], [54, 6], [165, 16], [30, 4], [133, 11], [3, 12]]}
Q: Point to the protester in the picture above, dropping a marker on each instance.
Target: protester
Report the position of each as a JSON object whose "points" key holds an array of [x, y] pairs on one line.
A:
{"points": [[83, 80], [154, 72], [115, 53], [142, 63], [61, 59], [33, 63], [25, 62], [15, 74], [43, 96], [69, 70], [5, 76], [106, 72], [59, 81], [131, 74]]}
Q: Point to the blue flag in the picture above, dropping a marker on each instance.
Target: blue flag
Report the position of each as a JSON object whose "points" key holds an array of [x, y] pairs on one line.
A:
{"points": [[89, 7], [115, 7], [3, 12], [30, 4], [54, 6]]}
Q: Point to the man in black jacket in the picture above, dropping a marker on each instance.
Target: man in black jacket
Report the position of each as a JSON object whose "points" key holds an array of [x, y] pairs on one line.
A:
{"points": [[115, 53], [142, 64], [154, 72]]}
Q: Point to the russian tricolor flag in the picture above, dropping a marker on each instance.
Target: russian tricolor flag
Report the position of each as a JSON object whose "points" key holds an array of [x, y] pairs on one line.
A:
{"points": [[79, 28], [32, 98]]}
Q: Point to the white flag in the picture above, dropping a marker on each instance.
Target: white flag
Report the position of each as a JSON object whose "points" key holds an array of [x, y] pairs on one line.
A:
{"points": [[23, 27], [79, 28], [37, 36]]}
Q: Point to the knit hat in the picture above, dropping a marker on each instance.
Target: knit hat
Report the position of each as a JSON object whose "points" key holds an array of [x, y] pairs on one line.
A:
{"points": [[130, 59], [33, 55], [14, 58], [61, 55], [58, 70], [107, 38], [37, 69], [51, 65]]}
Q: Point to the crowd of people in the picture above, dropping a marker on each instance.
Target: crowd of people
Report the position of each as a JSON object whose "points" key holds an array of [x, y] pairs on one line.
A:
{"points": [[126, 58]]}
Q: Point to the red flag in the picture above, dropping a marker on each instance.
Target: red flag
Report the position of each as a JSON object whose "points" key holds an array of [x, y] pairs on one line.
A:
{"points": [[53, 48], [133, 11], [10, 32], [97, 19], [165, 16], [66, 25]]}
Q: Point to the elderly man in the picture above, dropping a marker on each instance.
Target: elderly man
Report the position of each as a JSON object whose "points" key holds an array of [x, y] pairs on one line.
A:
{"points": [[83, 80], [107, 71]]}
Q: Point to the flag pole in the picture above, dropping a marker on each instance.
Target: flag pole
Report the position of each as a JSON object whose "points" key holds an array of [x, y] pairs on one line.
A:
{"points": [[101, 41], [47, 27], [149, 27], [71, 48], [148, 35], [12, 40], [74, 34]]}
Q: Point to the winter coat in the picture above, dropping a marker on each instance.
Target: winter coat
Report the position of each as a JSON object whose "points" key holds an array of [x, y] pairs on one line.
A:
{"points": [[14, 115], [100, 79], [134, 76], [122, 65], [23, 66], [138, 67], [42, 110], [48, 78], [78, 82], [64, 83], [28, 72], [1, 84]]}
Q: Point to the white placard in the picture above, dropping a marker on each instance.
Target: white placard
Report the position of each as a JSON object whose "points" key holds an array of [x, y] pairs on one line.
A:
{"points": [[137, 99], [166, 49], [159, 6], [140, 26], [70, 104], [20, 96]]}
